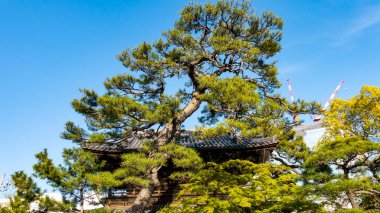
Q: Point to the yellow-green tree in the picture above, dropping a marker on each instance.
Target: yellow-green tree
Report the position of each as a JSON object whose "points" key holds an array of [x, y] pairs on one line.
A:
{"points": [[243, 186], [346, 164], [357, 116]]}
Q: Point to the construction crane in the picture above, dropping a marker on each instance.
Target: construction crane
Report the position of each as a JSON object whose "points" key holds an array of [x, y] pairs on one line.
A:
{"points": [[319, 117], [3, 185], [296, 119], [2, 180]]}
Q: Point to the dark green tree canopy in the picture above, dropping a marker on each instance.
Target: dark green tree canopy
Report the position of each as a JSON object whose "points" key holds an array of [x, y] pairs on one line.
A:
{"points": [[70, 178], [27, 192], [208, 43]]}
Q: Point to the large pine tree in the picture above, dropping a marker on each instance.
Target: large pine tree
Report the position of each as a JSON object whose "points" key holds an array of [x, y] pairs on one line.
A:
{"points": [[223, 52]]}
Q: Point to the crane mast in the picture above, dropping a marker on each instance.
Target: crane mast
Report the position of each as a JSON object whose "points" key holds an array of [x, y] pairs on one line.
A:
{"points": [[2, 180], [3, 185], [295, 115], [290, 91]]}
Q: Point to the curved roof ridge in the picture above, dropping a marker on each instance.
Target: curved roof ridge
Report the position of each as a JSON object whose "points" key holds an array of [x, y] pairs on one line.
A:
{"points": [[186, 138]]}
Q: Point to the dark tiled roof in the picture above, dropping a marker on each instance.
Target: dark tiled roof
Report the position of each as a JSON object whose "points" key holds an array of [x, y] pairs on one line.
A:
{"points": [[302, 129], [187, 139]]}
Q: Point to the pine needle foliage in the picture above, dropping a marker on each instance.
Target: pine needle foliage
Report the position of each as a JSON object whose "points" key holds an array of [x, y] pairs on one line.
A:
{"points": [[70, 178], [242, 186], [27, 192]]}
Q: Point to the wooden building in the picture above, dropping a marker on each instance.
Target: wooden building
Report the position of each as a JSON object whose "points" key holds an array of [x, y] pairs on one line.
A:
{"points": [[216, 149]]}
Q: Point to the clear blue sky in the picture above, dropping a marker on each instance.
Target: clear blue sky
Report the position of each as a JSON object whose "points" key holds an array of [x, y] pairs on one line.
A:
{"points": [[50, 49]]}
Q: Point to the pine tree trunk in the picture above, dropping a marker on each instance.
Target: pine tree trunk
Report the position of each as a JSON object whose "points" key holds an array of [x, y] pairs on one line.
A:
{"points": [[81, 201], [142, 199], [351, 197], [166, 135], [350, 193]]}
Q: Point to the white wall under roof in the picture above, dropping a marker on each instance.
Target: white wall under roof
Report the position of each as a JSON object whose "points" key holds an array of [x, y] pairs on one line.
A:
{"points": [[312, 137], [4, 202]]}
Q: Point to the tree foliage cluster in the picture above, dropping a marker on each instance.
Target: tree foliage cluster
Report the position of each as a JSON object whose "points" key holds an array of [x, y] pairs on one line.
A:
{"points": [[71, 178], [346, 163], [136, 168], [242, 186], [27, 192]]}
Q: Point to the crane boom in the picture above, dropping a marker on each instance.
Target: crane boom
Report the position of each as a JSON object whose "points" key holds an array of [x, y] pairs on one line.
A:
{"points": [[2, 181], [319, 117], [332, 96]]}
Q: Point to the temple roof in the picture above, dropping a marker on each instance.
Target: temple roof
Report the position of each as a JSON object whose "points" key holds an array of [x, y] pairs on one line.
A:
{"points": [[302, 129], [186, 139]]}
